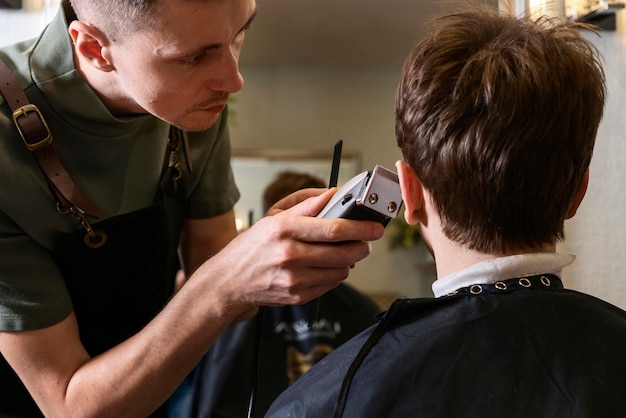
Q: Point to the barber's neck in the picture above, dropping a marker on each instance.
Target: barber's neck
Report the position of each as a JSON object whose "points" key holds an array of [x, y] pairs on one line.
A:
{"points": [[107, 88]]}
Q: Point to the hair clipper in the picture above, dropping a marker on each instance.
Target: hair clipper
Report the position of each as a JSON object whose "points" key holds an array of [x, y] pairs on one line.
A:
{"points": [[372, 195]]}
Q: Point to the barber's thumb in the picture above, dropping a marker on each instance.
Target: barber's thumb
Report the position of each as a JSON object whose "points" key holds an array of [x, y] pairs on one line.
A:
{"points": [[313, 204]]}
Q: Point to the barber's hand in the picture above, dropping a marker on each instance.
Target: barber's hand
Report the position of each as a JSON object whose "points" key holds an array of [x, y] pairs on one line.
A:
{"points": [[299, 196], [291, 257]]}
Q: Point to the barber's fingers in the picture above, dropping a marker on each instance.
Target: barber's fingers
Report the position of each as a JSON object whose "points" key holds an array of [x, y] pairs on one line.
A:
{"points": [[301, 218], [314, 200], [289, 259], [301, 271], [298, 282], [327, 230], [302, 295], [295, 255]]}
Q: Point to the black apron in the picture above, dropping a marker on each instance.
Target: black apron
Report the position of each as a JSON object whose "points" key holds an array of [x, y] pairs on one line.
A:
{"points": [[118, 288]]}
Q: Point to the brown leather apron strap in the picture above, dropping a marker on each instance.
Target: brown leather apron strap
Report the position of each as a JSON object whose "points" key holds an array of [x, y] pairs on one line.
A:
{"points": [[38, 139]]}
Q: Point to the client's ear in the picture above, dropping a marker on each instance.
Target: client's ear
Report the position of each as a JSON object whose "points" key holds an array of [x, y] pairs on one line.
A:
{"points": [[412, 192], [579, 196]]}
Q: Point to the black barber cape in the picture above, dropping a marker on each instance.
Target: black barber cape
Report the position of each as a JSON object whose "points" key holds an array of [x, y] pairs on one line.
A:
{"points": [[290, 343], [536, 351]]}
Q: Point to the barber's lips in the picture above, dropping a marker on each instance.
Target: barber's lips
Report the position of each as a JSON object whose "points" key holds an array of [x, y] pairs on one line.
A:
{"points": [[216, 109]]}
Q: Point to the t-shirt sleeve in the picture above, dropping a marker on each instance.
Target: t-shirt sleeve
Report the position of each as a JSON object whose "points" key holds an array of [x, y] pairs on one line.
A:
{"points": [[33, 294], [211, 187]]}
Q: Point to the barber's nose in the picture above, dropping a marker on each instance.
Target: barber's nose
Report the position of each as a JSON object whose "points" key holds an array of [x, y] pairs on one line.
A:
{"points": [[229, 79], [236, 83]]}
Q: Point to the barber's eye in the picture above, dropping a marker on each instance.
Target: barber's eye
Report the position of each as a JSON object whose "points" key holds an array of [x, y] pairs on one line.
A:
{"points": [[193, 60]]}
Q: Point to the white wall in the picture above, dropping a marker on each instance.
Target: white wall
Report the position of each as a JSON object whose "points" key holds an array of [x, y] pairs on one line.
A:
{"points": [[17, 25], [597, 234]]}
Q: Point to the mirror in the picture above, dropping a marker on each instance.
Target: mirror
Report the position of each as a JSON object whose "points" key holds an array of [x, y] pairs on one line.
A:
{"points": [[254, 170]]}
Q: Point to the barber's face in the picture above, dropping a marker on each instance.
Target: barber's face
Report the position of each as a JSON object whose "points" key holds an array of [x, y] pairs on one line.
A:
{"points": [[185, 72]]}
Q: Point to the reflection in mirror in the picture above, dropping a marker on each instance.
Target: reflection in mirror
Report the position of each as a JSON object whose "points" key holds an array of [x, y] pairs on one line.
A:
{"points": [[254, 170]]}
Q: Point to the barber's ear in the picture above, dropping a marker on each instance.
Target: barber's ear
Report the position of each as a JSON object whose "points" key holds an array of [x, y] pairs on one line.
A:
{"points": [[579, 197], [412, 193], [90, 43]]}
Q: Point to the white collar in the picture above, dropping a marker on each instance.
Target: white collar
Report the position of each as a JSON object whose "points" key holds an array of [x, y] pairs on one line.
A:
{"points": [[502, 268]]}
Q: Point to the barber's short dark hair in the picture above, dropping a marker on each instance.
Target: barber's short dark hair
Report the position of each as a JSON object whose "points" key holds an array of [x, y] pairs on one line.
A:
{"points": [[497, 116], [117, 17]]}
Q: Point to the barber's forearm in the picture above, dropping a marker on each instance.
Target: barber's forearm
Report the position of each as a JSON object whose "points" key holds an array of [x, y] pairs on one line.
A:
{"points": [[135, 377]]}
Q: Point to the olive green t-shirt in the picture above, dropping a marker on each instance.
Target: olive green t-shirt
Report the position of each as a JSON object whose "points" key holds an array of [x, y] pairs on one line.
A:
{"points": [[116, 162]]}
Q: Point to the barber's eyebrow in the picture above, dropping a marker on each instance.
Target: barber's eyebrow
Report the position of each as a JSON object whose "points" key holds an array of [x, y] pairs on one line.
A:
{"points": [[248, 24], [244, 28], [209, 47]]}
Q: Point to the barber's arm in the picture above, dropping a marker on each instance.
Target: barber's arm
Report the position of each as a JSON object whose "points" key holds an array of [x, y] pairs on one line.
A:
{"points": [[203, 238], [289, 258]]}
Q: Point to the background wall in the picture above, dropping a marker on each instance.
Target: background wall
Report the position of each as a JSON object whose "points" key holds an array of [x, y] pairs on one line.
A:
{"points": [[329, 72], [16, 25], [597, 233]]}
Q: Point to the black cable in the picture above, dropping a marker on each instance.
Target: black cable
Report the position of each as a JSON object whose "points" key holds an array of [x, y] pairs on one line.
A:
{"points": [[255, 361], [334, 176]]}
